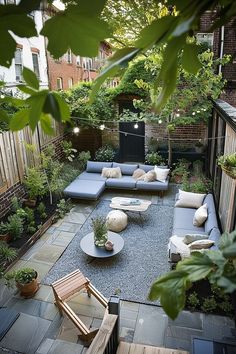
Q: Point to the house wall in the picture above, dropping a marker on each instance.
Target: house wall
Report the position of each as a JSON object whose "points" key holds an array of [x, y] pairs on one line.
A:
{"points": [[28, 46]]}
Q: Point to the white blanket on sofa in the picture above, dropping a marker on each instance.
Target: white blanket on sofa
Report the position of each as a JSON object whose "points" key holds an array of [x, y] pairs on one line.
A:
{"points": [[177, 246]]}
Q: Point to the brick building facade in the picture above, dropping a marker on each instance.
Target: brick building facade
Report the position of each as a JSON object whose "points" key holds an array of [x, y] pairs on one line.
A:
{"points": [[223, 42]]}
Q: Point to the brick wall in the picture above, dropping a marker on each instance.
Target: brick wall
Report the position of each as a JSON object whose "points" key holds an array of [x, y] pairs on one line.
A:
{"points": [[158, 131], [229, 70], [17, 190]]}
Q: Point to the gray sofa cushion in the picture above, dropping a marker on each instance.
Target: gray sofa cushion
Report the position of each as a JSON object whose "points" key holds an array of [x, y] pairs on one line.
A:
{"points": [[96, 166], [211, 221], [125, 168], [124, 182], [92, 176], [215, 236], [182, 232], [156, 185], [85, 189], [183, 219]]}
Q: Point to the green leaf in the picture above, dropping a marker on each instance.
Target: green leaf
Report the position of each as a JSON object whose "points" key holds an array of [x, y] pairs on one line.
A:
{"points": [[190, 59], [85, 6], [228, 283], [46, 124], [119, 59], [3, 116], [63, 106], [51, 107], [13, 19], [184, 26], [170, 289], [36, 103], [18, 102], [230, 251], [19, 120], [30, 78], [26, 89], [156, 32], [227, 239], [197, 266], [80, 32]]}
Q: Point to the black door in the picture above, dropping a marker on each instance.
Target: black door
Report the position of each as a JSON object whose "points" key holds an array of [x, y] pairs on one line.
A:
{"points": [[132, 146]]}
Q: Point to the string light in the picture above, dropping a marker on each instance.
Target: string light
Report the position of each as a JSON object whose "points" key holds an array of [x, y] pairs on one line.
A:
{"points": [[76, 130], [2, 96], [198, 111], [102, 126], [159, 121], [193, 114], [136, 126], [177, 114]]}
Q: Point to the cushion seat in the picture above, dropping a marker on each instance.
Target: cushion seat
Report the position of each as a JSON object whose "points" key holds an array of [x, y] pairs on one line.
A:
{"points": [[91, 176], [183, 219], [85, 189], [156, 185], [124, 182]]}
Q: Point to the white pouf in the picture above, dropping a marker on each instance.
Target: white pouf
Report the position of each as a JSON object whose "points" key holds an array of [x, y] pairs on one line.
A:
{"points": [[117, 220]]}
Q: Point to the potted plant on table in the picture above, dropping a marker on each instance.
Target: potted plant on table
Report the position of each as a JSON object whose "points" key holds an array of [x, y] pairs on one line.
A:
{"points": [[228, 164], [26, 280], [100, 231]]}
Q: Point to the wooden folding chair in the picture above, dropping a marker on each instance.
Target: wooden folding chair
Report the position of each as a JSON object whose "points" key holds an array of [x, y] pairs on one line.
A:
{"points": [[68, 286]]}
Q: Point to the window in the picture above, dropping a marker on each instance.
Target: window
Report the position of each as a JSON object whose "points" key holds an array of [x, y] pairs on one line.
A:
{"points": [[70, 82], [35, 59], [69, 57], [59, 83], [10, 2], [78, 60], [18, 64], [205, 38]]}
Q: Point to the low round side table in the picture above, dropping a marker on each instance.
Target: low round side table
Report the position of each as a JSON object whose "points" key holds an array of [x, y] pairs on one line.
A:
{"points": [[87, 245]]}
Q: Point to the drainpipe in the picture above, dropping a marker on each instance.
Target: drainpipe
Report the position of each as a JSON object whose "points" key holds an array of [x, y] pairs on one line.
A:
{"points": [[222, 34]]}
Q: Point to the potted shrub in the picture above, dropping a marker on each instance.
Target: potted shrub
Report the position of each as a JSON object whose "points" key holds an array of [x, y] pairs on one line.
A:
{"points": [[228, 164], [35, 182], [26, 281], [178, 173], [153, 158], [15, 226], [4, 232], [100, 231]]}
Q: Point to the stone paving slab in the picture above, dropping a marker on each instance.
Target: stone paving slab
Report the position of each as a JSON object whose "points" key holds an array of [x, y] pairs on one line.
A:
{"points": [[33, 307], [76, 218], [45, 346], [188, 319], [26, 334], [151, 326], [46, 254], [45, 293], [64, 347]]}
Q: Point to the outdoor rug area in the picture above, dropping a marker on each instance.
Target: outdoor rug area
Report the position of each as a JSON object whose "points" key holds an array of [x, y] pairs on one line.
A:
{"points": [[130, 273]]}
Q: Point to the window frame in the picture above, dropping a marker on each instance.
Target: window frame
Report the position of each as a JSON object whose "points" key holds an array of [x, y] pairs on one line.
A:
{"points": [[18, 64], [59, 79], [37, 72]]}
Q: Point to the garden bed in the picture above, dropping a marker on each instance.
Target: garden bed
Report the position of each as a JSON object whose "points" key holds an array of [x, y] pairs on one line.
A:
{"points": [[203, 297]]}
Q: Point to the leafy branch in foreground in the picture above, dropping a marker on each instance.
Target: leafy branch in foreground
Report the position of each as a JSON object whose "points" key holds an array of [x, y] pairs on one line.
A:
{"points": [[219, 267]]}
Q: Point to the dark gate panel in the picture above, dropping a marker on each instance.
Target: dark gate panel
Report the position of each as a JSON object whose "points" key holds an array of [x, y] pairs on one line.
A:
{"points": [[132, 147]]}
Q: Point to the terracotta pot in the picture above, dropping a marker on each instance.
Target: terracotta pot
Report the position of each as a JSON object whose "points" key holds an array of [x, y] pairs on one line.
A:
{"points": [[28, 290], [6, 237], [178, 179], [30, 203]]}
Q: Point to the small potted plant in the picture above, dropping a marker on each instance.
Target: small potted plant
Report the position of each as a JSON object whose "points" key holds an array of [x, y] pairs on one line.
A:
{"points": [[26, 281], [228, 164], [100, 231], [4, 232], [178, 173]]}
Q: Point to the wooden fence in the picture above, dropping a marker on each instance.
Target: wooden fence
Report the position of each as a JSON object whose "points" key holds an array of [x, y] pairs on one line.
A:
{"points": [[15, 157]]}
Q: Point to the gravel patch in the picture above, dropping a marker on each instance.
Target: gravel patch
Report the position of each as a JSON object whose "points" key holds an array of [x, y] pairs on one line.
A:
{"points": [[130, 273]]}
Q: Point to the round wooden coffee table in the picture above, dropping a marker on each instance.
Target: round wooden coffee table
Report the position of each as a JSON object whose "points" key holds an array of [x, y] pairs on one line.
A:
{"points": [[87, 245]]}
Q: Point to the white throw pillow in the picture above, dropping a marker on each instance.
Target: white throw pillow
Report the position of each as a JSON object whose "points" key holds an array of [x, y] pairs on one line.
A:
{"points": [[189, 200], [150, 176], [177, 246], [200, 216], [189, 238], [111, 172], [161, 173], [200, 244]]}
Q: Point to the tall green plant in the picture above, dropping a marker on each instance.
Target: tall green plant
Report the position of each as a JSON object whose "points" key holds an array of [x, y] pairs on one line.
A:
{"points": [[219, 266], [35, 182]]}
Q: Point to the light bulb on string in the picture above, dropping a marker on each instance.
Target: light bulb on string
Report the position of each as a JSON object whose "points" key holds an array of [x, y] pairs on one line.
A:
{"points": [[2, 96], [136, 126], [177, 114], [76, 130], [193, 114], [159, 121], [102, 127]]}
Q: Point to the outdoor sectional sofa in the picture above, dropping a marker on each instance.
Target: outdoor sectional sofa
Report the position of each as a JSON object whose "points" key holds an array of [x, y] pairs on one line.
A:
{"points": [[183, 225], [90, 183]]}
